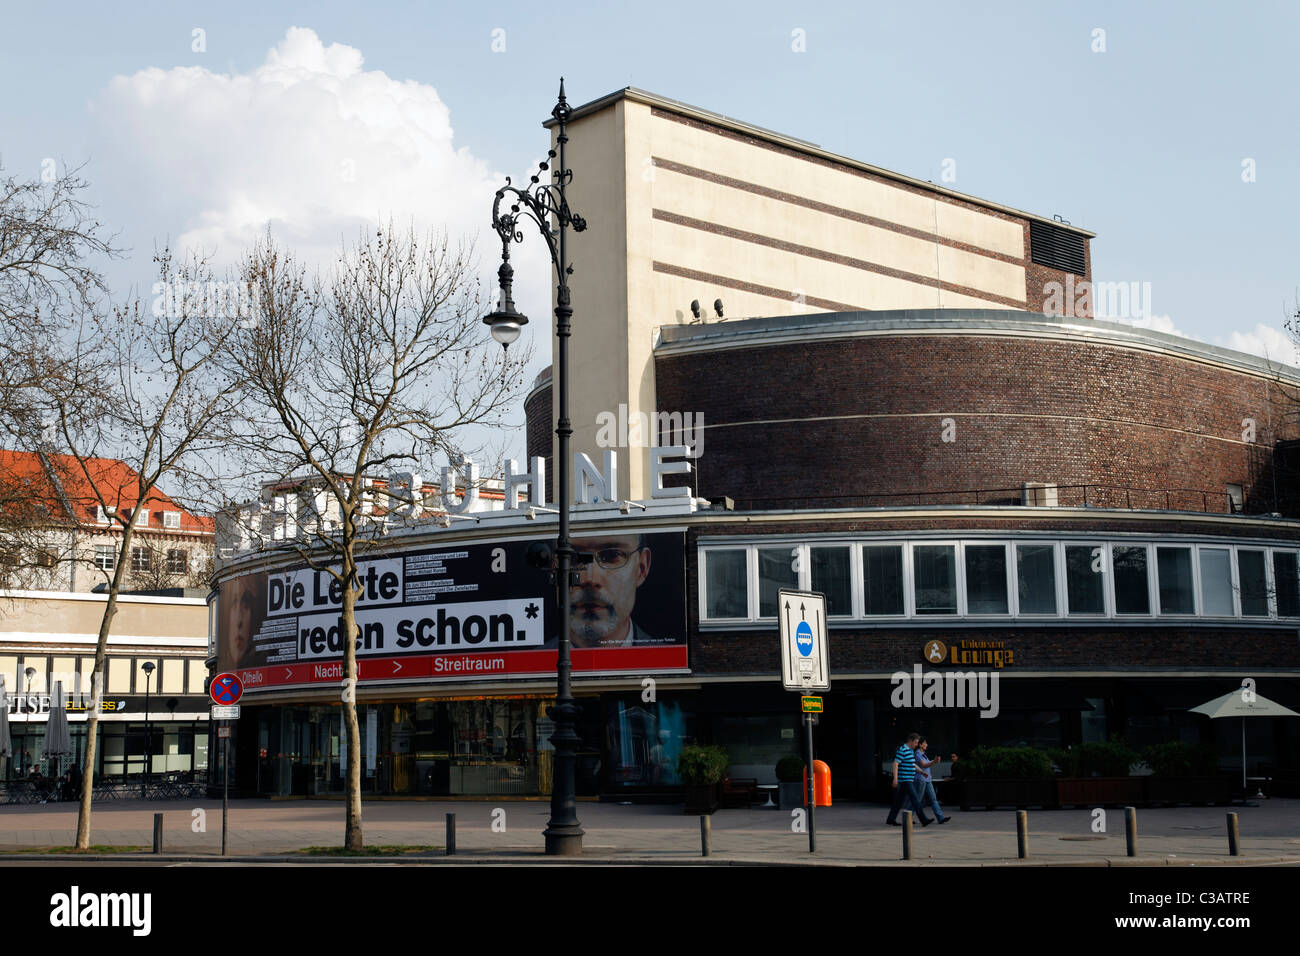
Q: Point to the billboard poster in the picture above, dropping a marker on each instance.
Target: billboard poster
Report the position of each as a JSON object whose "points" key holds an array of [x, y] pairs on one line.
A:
{"points": [[461, 612]]}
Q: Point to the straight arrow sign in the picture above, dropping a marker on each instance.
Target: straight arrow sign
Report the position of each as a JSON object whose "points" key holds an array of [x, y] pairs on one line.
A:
{"points": [[805, 665]]}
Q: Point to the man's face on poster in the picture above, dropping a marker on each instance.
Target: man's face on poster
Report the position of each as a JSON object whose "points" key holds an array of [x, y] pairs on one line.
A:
{"points": [[239, 620], [606, 593]]}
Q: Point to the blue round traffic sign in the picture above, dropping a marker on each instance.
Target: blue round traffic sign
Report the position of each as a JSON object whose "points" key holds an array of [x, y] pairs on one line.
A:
{"points": [[803, 638], [226, 689]]}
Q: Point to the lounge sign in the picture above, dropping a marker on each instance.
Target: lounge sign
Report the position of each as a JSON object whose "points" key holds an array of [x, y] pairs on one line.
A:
{"points": [[978, 652]]}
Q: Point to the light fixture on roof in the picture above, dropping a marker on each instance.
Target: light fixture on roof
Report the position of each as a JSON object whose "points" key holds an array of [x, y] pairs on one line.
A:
{"points": [[627, 506]]}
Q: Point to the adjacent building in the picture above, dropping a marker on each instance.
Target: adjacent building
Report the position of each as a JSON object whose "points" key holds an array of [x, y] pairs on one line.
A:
{"points": [[62, 542]]}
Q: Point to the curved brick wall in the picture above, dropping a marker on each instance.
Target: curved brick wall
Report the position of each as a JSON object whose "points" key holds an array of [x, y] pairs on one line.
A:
{"points": [[863, 416], [539, 430]]}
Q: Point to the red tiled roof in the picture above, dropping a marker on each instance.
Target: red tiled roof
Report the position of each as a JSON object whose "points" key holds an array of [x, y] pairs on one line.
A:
{"points": [[63, 489]]}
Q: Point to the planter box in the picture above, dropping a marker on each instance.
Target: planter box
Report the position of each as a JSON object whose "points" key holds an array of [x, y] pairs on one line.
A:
{"points": [[1100, 791], [1187, 790], [791, 795], [701, 798], [990, 793]]}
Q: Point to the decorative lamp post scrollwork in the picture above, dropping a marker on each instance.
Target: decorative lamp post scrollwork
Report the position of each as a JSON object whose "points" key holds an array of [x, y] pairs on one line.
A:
{"points": [[547, 206]]}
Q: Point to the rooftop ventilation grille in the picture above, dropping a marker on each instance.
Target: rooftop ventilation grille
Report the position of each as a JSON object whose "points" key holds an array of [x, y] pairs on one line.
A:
{"points": [[1057, 248]]}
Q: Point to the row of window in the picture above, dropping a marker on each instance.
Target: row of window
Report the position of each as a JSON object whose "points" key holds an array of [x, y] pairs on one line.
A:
{"points": [[980, 578], [126, 675], [143, 558], [170, 519]]}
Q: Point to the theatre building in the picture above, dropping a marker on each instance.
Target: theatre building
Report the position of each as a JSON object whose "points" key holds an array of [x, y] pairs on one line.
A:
{"points": [[906, 405]]}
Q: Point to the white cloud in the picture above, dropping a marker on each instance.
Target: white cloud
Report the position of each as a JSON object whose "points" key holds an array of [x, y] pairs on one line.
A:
{"points": [[1266, 340], [1156, 323], [310, 143]]}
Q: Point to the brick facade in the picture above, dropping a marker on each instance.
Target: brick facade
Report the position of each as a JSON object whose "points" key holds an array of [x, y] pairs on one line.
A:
{"points": [[864, 416]]}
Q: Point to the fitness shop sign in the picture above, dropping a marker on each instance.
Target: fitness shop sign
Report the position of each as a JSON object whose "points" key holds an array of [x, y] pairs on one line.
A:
{"points": [[460, 612]]}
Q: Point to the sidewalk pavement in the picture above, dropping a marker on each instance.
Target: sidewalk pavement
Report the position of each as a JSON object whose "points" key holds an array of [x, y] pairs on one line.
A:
{"points": [[847, 833]]}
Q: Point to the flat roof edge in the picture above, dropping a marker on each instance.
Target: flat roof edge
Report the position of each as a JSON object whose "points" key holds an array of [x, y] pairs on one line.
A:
{"points": [[801, 145]]}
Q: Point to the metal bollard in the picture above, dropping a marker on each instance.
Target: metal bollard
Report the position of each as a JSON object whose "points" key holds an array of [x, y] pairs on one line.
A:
{"points": [[1022, 834], [451, 834], [907, 834], [1234, 836], [1131, 830], [706, 834], [157, 832]]}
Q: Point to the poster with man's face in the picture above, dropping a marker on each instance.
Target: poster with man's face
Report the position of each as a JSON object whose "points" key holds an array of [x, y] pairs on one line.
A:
{"points": [[464, 611]]}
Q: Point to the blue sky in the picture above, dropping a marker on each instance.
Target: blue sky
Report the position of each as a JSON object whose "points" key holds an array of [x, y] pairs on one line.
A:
{"points": [[1143, 143]]}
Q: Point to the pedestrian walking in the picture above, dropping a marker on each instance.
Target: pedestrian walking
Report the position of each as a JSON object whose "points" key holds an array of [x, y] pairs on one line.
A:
{"points": [[924, 782], [904, 783]]}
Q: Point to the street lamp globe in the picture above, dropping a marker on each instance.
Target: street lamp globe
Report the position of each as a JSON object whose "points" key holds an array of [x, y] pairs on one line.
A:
{"points": [[505, 325]]}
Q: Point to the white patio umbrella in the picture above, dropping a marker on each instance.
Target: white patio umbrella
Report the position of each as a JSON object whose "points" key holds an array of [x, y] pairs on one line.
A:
{"points": [[1243, 702], [58, 739]]}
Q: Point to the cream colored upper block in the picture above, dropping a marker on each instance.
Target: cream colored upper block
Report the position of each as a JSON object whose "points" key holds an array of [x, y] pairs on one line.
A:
{"points": [[56, 616], [837, 187], [736, 209], [791, 273]]}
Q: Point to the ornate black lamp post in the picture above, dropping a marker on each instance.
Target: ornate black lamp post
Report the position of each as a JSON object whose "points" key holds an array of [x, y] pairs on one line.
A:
{"points": [[544, 203], [147, 667]]}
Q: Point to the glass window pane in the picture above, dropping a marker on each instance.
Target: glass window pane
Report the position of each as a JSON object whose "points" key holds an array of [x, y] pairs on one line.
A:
{"points": [[882, 579], [119, 675], [1036, 578], [775, 571], [1216, 582], [726, 591], [35, 683], [1130, 566], [1175, 567], [64, 670], [1085, 579], [1254, 586], [1287, 584], [831, 576], [198, 674], [986, 579], [934, 568], [173, 676]]}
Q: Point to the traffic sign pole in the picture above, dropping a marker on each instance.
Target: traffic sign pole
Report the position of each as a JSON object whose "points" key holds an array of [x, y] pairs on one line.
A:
{"points": [[812, 789], [225, 788]]}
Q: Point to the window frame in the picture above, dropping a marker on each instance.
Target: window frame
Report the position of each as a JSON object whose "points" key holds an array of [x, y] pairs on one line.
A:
{"points": [[105, 552]]}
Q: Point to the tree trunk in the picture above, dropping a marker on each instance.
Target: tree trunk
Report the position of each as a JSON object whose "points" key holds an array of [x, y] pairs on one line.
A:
{"points": [[98, 680], [352, 839]]}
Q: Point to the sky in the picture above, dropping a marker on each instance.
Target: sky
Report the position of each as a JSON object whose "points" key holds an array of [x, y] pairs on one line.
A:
{"points": [[1169, 129]]}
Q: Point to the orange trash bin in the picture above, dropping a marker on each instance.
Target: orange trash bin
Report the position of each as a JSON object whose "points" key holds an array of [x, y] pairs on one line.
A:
{"points": [[821, 783]]}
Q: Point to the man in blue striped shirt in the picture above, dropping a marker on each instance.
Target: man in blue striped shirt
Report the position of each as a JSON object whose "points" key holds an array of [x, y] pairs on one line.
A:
{"points": [[905, 783]]}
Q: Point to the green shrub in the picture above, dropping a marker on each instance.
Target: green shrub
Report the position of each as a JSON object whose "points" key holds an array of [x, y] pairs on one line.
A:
{"points": [[789, 769], [1173, 758], [1019, 763], [1104, 758], [698, 765]]}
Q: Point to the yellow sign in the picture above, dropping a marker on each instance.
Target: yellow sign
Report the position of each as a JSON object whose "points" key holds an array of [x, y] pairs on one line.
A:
{"points": [[812, 705]]}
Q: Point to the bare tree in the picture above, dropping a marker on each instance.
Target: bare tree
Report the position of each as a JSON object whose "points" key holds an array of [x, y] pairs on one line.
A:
{"points": [[144, 387], [51, 251], [382, 365]]}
